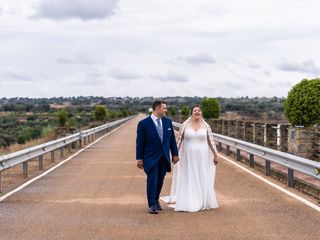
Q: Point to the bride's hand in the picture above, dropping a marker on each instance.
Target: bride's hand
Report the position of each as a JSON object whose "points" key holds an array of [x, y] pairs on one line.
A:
{"points": [[215, 159]]}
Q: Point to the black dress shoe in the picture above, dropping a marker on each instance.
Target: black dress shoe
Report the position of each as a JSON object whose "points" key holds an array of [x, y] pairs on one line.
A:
{"points": [[153, 209], [159, 206]]}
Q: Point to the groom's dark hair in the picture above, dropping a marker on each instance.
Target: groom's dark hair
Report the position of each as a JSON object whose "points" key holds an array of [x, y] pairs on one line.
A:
{"points": [[157, 103]]}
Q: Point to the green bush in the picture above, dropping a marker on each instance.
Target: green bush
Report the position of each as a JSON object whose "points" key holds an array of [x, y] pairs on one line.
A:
{"points": [[172, 111], [62, 118], [6, 140], [100, 113], [210, 108], [113, 115], [28, 134], [22, 139], [185, 111], [302, 106], [47, 131]]}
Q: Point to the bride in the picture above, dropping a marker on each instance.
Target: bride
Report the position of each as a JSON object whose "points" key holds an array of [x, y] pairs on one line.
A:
{"points": [[193, 178]]}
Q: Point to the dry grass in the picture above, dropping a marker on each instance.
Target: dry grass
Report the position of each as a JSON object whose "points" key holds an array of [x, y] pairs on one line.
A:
{"points": [[17, 147]]}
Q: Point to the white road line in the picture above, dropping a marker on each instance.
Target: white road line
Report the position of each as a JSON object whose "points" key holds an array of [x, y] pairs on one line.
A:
{"points": [[301, 199], [56, 166]]}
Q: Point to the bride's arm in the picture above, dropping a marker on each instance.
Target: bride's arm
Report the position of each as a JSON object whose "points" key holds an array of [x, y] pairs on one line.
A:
{"points": [[180, 137], [212, 145]]}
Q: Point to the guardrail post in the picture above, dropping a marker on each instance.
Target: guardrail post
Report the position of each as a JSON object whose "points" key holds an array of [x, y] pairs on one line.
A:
{"points": [[41, 162], [219, 146], [268, 168], [264, 135], [0, 181], [228, 150], [25, 169], [238, 155], [53, 156], [69, 147], [237, 129], [254, 133], [290, 178], [251, 160], [61, 152], [80, 143], [85, 141]]}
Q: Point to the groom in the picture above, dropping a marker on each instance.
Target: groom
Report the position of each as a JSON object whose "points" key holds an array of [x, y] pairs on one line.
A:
{"points": [[155, 139]]}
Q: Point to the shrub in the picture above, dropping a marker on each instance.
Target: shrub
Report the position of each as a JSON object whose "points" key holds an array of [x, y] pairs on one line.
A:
{"points": [[210, 108], [302, 106], [185, 111], [172, 111], [62, 118], [100, 113]]}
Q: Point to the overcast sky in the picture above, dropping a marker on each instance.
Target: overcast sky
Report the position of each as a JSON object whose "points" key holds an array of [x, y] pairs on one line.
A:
{"points": [[213, 48]]}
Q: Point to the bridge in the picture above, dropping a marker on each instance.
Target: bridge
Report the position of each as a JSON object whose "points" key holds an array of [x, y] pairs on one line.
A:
{"points": [[98, 193]]}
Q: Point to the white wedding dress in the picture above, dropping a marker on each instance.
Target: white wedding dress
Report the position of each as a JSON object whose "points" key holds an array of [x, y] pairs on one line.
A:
{"points": [[193, 178]]}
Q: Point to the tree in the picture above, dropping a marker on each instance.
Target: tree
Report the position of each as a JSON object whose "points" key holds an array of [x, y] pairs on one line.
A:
{"points": [[185, 111], [172, 111], [113, 115], [100, 113], [302, 106], [6, 140], [62, 118], [8, 107], [210, 108], [125, 112]]}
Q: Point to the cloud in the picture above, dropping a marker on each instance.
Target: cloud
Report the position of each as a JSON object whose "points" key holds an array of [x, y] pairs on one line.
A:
{"points": [[80, 9], [307, 66], [15, 76], [267, 73], [171, 77], [123, 75], [254, 66], [79, 59], [201, 58], [94, 78]]}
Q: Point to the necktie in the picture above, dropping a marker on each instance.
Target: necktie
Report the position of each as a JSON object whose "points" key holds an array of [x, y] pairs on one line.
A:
{"points": [[159, 129]]}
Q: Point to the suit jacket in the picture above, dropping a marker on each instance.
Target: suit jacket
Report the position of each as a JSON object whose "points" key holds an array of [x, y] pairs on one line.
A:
{"points": [[149, 147]]}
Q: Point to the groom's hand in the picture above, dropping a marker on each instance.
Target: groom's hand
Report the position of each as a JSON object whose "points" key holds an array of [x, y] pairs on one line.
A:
{"points": [[140, 164], [175, 159]]}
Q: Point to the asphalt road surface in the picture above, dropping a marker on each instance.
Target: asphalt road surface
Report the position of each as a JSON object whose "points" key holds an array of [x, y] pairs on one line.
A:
{"points": [[100, 194]]}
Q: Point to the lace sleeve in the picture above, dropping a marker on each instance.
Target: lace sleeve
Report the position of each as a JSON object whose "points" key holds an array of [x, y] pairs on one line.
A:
{"points": [[180, 137], [181, 132], [211, 141]]}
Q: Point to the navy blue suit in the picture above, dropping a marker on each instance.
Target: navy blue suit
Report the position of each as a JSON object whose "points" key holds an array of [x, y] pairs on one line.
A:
{"points": [[155, 154]]}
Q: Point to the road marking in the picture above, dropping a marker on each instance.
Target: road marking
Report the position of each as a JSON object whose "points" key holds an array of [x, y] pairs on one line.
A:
{"points": [[56, 166], [301, 199]]}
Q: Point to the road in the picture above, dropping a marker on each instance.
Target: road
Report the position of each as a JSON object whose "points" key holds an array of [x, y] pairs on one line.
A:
{"points": [[100, 194]]}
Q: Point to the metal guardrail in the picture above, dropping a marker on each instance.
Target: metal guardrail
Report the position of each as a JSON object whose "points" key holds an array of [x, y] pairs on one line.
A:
{"points": [[292, 162], [23, 156]]}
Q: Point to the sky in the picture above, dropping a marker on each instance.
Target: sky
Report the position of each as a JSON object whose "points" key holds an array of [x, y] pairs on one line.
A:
{"points": [[212, 48]]}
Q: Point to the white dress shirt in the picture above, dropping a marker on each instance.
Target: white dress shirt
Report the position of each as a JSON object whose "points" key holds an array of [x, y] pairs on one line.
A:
{"points": [[154, 118]]}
